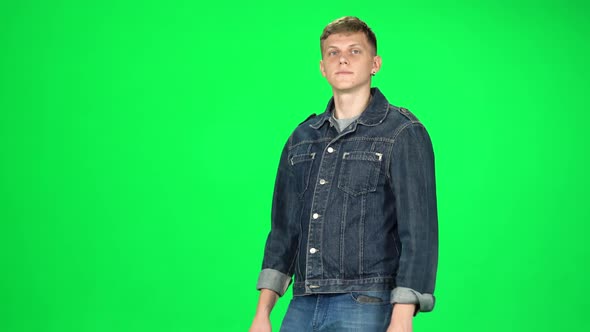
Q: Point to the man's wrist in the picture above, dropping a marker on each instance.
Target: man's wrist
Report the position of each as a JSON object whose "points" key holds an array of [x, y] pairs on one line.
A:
{"points": [[262, 315]]}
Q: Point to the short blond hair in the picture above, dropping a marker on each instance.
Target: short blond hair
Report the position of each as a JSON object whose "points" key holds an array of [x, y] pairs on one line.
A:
{"points": [[349, 24]]}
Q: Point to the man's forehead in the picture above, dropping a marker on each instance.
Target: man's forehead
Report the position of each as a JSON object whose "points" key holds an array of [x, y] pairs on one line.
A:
{"points": [[346, 40]]}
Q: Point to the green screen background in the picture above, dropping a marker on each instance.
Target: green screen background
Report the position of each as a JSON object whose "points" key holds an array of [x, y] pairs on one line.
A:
{"points": [[139, 143]]}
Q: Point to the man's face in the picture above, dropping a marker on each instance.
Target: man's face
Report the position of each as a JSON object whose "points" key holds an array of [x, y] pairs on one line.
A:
{"points": [[348, 61]]}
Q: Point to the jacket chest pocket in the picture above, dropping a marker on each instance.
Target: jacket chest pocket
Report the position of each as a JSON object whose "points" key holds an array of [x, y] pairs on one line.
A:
{"points": [[301, 164], [359, 172]]}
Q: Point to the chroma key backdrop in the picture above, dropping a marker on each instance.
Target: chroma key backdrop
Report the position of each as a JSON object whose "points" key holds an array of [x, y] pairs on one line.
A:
{"points": [[139, 141]]}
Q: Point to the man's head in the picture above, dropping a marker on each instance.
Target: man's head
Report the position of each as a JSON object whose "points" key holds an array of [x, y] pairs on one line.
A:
{"points": [[347, 25], [349, 56]]}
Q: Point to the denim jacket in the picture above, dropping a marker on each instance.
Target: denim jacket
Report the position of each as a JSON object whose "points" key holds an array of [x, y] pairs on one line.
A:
{"points": [[355, 210]]}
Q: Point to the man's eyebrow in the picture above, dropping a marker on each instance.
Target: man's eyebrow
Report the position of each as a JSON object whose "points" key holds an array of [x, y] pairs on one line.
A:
{"points": [[351, 45]]}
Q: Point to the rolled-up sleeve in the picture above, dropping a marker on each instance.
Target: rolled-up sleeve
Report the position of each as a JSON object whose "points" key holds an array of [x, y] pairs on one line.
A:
{"points": [[404, 295], [273, 280], [282, 241], [413, 182]]}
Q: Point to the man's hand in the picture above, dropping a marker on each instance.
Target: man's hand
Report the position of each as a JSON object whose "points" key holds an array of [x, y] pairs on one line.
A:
{"points": [[401, 318], [260, 324]]}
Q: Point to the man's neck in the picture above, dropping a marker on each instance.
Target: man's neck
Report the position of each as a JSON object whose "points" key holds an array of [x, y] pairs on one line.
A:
{"points": [[350, 104]]}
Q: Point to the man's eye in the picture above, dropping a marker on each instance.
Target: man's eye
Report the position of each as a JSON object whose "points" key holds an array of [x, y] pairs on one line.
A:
{"points": [[355, 52], [332, 53]]}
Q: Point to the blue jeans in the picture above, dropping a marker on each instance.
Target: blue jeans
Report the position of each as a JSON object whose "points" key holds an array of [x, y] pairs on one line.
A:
{"points": [[366, 311]]}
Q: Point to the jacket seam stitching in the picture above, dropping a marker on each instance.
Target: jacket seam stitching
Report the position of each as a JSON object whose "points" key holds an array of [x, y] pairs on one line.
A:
{"points": [[398, 132]]}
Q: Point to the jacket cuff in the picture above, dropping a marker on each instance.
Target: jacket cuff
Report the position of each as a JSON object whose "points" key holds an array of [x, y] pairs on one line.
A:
{"points": [[423, 302], [273, 280]]}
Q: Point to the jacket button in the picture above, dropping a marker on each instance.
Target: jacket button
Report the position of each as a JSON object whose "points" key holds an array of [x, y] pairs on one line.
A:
{"points": [[322, 181], [313, 250], [315, 216], [330, 149]]}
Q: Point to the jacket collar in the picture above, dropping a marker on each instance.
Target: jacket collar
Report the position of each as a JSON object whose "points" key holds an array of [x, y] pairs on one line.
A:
{"points": [[373, 115]]}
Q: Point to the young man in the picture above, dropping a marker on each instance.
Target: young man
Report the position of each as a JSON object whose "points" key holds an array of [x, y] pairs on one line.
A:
{"points": [[354, 210]]}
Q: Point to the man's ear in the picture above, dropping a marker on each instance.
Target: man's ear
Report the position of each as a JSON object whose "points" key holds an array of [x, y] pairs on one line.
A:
{"points": [[322, 68], [376, 63]]}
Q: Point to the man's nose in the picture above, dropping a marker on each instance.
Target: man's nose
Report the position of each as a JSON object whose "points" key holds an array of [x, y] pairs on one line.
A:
{"points": [[343, 59]]}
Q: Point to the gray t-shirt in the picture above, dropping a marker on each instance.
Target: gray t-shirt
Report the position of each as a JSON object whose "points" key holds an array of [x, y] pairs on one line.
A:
{"points": [[341, 124]]}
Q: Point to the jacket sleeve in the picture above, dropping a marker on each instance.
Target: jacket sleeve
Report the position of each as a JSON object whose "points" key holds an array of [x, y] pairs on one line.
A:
{"points": [[282, 241], [413, 182]]}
